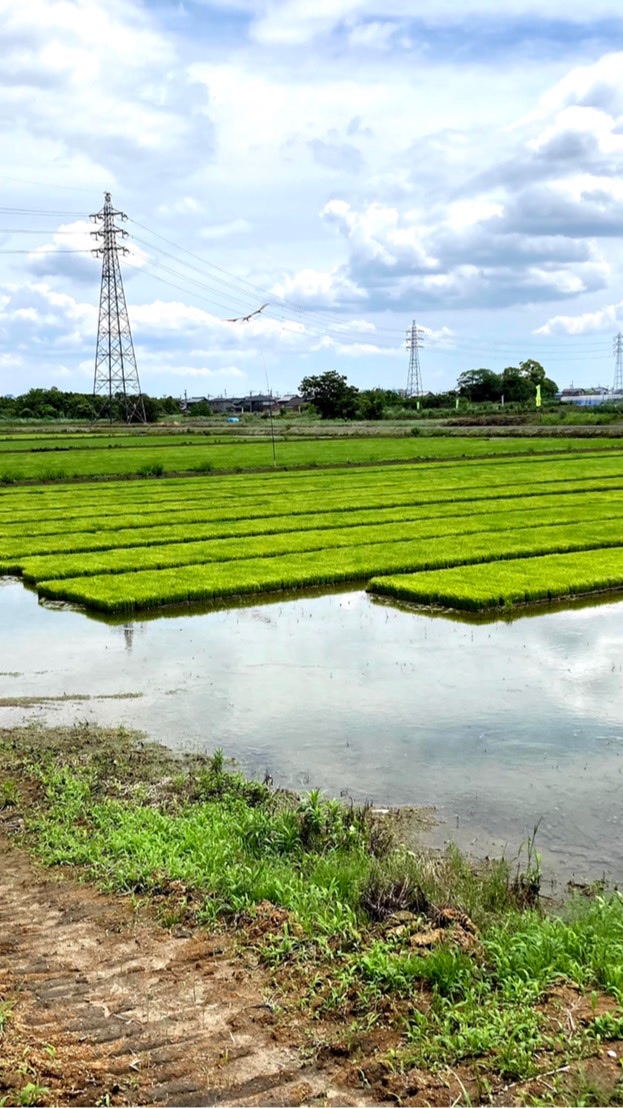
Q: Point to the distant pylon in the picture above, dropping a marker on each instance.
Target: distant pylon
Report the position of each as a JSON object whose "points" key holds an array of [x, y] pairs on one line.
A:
{"points": [[415, 336], [617, 349], [116, 374]]}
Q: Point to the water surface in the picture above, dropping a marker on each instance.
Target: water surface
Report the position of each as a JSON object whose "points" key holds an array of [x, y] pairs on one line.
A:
{"points": [[499, 725]]}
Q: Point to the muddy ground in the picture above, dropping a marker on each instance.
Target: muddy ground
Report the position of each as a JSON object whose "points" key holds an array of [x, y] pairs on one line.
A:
{"points": [[111, 1008]]}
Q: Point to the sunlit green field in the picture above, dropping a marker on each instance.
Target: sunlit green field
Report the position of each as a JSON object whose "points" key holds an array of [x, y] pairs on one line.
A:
{"points": [[74, 456], [117, 546]]}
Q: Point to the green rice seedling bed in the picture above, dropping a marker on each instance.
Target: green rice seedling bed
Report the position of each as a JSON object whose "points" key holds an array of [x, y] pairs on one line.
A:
{"points": [[509, 583], [395, 486], [246, 576], [229, 520], [434, 477], [291, 530], [249, 539], [97, 461]]}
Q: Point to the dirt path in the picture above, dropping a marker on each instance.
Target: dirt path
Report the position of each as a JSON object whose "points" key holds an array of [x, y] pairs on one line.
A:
{"points": [[112, 1009]]}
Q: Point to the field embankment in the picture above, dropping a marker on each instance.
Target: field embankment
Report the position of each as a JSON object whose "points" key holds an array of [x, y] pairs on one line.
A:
{"points": [[300, 951]]}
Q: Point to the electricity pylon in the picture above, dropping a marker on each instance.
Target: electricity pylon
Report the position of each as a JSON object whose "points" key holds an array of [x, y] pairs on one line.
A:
{"points": [[414, 344], [617, 349], [116, 373]]}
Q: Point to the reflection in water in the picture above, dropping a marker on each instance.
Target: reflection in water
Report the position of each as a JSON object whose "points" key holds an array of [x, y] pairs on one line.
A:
{"points": [[498, 724]]}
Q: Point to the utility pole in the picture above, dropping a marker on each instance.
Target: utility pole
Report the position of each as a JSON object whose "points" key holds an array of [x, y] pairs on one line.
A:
{"points": [[617, 349], [414, 344], [116, 374]]}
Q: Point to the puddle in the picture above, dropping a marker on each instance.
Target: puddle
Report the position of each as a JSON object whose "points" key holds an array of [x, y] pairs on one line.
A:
{"points": [[498, 724]]}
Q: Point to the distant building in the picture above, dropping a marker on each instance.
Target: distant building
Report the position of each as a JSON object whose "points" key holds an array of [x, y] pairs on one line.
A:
{"points": [[590, 398], [255, 403]]}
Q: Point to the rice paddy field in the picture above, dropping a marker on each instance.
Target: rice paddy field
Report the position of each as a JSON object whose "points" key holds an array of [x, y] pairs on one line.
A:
{"points": [[73, 455], [463, 523]]}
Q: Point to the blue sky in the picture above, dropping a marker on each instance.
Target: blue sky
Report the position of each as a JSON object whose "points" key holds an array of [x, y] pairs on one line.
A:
{"points": [[354, 164]]}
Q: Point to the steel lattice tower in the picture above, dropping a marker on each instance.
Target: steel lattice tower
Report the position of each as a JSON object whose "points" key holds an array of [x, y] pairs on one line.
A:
{"points": [[414, 344], [617, 349], [116, 373]]}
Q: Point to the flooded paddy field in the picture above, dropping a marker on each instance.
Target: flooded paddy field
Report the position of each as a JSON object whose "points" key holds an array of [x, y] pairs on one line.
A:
{"points": [[498, 724]]}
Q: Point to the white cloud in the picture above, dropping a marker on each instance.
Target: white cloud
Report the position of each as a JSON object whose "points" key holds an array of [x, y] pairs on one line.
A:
{"points": [[332, 153], [314, 288], [185, 205], [224, 230], [203, 371], [585, 323], [293, 22], [596, 85]]}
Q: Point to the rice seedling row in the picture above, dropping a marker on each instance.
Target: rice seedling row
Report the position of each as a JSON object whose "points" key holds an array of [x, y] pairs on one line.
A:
{"points": [[508, 583], [263, 518], [394, 485], [273, 543], [197, 582], [100, 498], [292, 530]]}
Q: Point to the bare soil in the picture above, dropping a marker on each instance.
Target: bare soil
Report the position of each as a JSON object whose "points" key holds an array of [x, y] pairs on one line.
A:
{"points": [[111, 1008]]}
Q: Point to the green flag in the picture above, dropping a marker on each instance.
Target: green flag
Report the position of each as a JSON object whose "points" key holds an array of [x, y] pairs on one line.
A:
{"points": [[538, 396]]}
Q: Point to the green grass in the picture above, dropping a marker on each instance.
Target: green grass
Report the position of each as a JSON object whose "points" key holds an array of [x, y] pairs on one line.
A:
{"points": [[508, 583], [467, 974], [109, 460]]}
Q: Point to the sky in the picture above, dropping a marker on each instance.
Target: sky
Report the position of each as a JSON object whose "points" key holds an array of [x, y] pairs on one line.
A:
{"points": [[352, 164]]}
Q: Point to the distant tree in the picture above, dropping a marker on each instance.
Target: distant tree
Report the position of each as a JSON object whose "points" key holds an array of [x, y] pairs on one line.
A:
{"points": [[439, 399], [169, 405], [331, 395], [201, 408], [480, 385], [533, 371], [372, 403], [549, 388], [151, 407], [517, 387]]}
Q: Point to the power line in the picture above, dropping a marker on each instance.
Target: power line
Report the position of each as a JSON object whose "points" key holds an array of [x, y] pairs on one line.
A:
{"points": [[46, 185], [41, 211], [45, 253]]}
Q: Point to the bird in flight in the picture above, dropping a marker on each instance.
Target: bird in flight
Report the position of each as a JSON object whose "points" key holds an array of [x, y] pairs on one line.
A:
{"points": [[246, 318]]}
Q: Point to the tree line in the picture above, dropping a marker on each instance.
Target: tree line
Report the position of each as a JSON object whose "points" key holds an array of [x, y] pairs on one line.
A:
{"points": [[54, 403], [330, 395], [334, 398]]}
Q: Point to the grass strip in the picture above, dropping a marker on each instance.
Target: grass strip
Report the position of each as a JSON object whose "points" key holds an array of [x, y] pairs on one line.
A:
{"points": [[508, 583], [27, 465]]}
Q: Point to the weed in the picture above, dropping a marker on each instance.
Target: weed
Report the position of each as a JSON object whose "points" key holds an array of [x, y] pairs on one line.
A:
{"points": [[6, 1010], [31, 1094], [151, 469], [9, 794]]}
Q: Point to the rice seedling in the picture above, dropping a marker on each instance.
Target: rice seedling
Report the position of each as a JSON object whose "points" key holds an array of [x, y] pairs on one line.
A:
{"points": [[508, 583]]}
